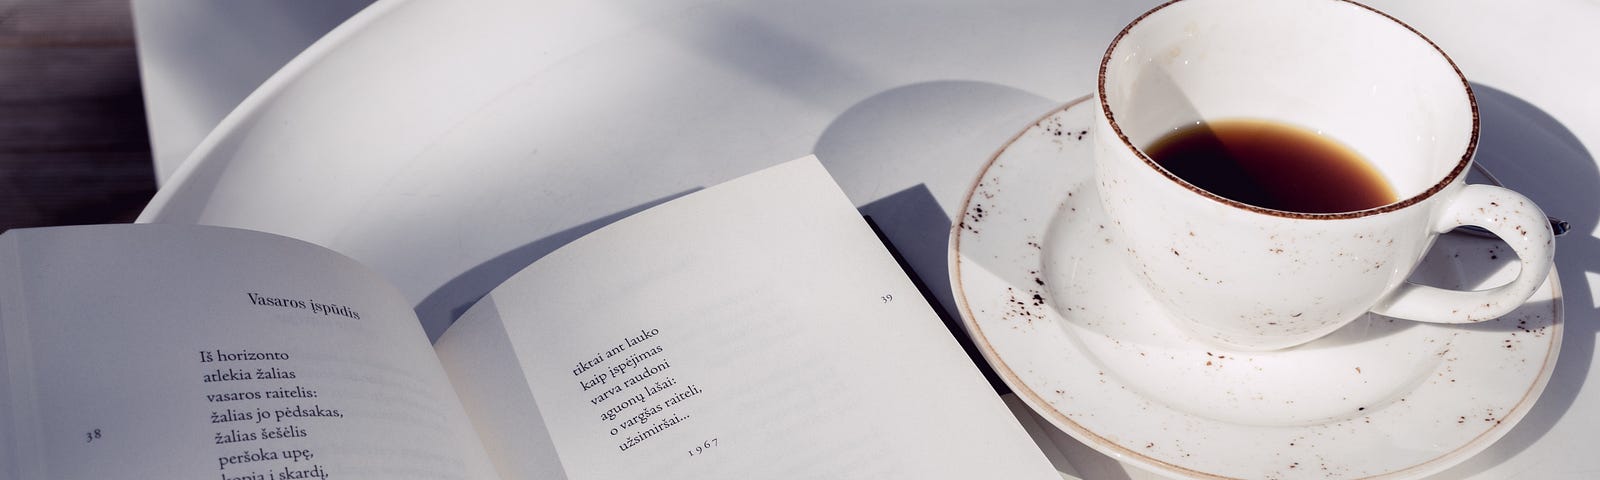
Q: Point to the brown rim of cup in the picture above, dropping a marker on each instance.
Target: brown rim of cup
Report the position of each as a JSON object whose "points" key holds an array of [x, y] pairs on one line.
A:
{"points": [[1460, 168]]}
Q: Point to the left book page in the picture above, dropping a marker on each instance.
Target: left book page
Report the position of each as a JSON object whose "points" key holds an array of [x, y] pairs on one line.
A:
{"points": [[171, 351]]}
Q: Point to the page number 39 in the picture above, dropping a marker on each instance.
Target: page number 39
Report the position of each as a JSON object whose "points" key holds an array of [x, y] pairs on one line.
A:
{"points": [[887, 297]]}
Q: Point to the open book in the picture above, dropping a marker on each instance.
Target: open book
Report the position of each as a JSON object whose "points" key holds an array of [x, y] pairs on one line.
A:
{"points": [[755, 329]]}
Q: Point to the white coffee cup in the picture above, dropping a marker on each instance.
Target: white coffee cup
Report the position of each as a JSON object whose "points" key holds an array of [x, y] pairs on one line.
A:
{"points": [[1258, 279]]}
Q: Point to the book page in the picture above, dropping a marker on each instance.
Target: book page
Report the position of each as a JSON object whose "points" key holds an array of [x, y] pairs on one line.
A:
{"points": [[171, 351], [756, 329]]}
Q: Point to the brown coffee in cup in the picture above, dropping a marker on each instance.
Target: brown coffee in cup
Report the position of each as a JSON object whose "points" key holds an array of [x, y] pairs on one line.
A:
{"points": [[1272, 165]]}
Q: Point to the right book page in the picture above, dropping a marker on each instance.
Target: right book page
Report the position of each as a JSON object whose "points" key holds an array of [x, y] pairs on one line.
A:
{"points": [[756, 329]]}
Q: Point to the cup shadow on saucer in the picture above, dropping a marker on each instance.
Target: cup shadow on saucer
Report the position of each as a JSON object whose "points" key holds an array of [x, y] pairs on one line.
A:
{"points": [[1538, 156]]}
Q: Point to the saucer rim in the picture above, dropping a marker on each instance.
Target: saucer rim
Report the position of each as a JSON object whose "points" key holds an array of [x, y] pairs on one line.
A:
{"points": [[1100, 443]]}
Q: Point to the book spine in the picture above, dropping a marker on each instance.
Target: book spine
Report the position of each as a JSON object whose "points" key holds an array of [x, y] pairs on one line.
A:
{"points": [[19, 419]]}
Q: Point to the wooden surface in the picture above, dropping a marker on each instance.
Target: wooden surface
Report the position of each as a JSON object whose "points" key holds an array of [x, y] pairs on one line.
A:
{"points": [[74, 147]]}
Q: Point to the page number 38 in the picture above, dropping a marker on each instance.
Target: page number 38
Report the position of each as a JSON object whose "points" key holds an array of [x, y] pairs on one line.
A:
{"points": [[92, 435]]}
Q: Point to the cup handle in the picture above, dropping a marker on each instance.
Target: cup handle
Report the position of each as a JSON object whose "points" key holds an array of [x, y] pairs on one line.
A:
{"points": [[1508, 215]]}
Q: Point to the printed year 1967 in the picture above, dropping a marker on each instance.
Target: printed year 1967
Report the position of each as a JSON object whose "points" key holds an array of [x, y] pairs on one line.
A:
{"points": [[703, 447]]}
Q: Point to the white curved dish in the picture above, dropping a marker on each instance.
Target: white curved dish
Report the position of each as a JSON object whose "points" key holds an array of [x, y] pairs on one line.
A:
{"points": [[1043, 290], [447, 144]]}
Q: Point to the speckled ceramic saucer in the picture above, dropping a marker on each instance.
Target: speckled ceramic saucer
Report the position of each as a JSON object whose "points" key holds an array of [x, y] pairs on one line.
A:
{"points": [[1041, 288]]}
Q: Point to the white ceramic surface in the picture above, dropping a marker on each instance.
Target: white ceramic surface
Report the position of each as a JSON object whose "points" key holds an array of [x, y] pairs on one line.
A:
{"points": [[1042, 288], [1249, 276], [447, 144], [199, 58]]}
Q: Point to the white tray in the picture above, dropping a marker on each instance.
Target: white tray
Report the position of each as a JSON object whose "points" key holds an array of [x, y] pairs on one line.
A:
{"points": [[447, 144]]}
